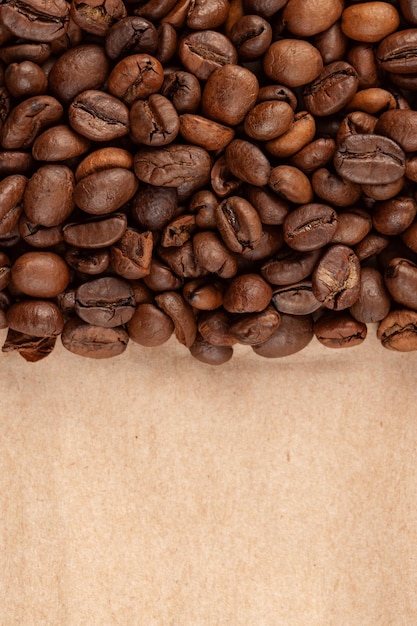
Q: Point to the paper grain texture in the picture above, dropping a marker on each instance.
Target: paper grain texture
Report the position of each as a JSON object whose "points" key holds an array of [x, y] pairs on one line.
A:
{"points": [[152, 490]]}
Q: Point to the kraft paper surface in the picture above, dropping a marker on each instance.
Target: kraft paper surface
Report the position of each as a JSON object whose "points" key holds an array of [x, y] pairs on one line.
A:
{"points": [[153, 490]]}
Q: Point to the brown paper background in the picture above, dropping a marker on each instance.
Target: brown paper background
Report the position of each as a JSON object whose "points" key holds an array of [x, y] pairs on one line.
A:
{"points": [[152, 490]]}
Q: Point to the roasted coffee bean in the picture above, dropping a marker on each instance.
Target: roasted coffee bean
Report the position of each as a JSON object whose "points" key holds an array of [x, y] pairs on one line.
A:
{"points": [[251, 36], [401, 281], [363, 58], [291, 184], [91, 262], [98, 116], [247, 162], [401, 126], [25, 79], [292, 62], [293, 334], [247, 293], [34, 20], [332, 89], [397, 53], [308, 17], [314, 155], [203, 52], [229, 94], [131, 35], [373, 100], [136, 77], [182, 260], [384, 191], [203, 295], [332, 44], [154, 207], [251, 329], [173, 165], [96, 17], [15, 162], [336, 278], [339, 330], [95, 342], [131, 256], [40, 274], [59, 143], [300, 133], [39, 236], [369, 159], [371, 244], [105, 191], [154, 122], [239, 224], [222, 180], [310, 227], [206, 133], [48, 199], [27, 120], [39, 318], [178, 231], [268, 120], [398, 331], [289, 266], [12, 189], [31, 348], [214, 327], [106, 301], [278, 92], [212, 255], [79, 69], [97, 232], [270, 208], [150, 326], [333, 189], [353, 224], [5, 266], [181, 314], [183, 90], [370, 21], [393, 217], [103, 159], [161, 277], [296, 299], [373, 303], [205, 352]]}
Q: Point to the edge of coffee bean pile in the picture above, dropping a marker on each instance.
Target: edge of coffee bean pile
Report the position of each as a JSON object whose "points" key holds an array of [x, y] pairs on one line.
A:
{"points": [[234, 172]]}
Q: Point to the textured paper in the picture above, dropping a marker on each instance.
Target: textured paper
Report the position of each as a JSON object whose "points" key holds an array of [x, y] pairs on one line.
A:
{"points": [[152, 490]]}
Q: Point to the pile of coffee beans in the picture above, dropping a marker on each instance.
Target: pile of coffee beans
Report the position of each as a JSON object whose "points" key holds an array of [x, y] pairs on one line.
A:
{"points": [[231, 172]]}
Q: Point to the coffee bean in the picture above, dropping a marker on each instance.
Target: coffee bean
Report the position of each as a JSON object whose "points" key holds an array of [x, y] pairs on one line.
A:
{"points": [[98, 116], [39, 318], [293, 334], [150, 326], [48, 199], [398, 331], [339, 330], [34, 21], [310, 226], [336, 278], [369, 159], [40, 274], [106, 301], [91, 341]]}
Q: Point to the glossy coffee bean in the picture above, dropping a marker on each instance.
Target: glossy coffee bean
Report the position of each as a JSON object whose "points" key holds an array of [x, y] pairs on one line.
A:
{"points": [[310, 227], [398, 331], [369, 159], [40, 318], [336, 278], [293, 334], [96, 342], [339, 330], [40, 274]]}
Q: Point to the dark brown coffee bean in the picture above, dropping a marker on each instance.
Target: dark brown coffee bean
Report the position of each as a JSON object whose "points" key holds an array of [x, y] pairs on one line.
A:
{"points": [[310, 227], [97, 232], [203, 295], [370, 21], [154, 122], [212, 255], [369, 159], [131, 35], [79, 69], [131, 255], [150, 326], [39, 318], [293, 334], [106, 191], [370, 245], [336, 278], [205, 352], [103, 159], [271, 241], [182, 260], [397, 53], [289, 266], [25, 79], [178, 231], [383, 192], [155, 9], [167, 43], [173, 165], [308, 17], [34, 20], [268, 120], [98, 116], [206, 133], [136, 77], [332, 89], [96, 17], [204, 52], [270, 208], [39, 236], [238, 224], [247, 293], [40, 274], [356, 123], [339, 330], [332, 44], [222, 180], [91, 262], [214, 327], [27, 120], [247, 162], [292, 62], [266, 8], [154, 207], [314, 155], [251, 35], [230, 92], [183, 90], [401, 282], [282, 93], [251, 329], [333, 189], [15, 162], [12, 189], [59, 143], [374, 302], [401, 126], [398, 331], [291, 184], [106, 301], [363, 58], [296, 299], [374, 101], [181, 314], [393, 217], [95, 342], [32, 349], [48, 199], [161, 277], [204, 204], [353, 224], [300, 133]]}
